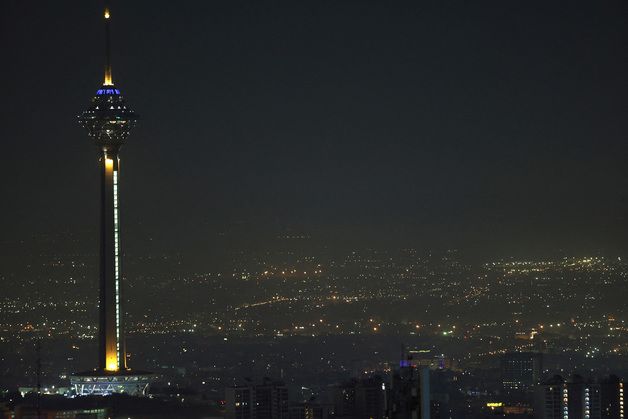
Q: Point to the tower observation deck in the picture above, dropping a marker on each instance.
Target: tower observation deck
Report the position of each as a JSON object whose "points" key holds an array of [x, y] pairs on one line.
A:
{"points": [[108, 121]]}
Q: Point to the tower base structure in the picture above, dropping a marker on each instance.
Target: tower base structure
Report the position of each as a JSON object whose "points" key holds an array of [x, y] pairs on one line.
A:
{"points": [[105, 383]]}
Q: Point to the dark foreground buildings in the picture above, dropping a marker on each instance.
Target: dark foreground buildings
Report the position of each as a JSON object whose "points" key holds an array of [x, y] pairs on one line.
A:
{"points": [[521, 371], [108, 122], [579, 398], [360, 398], [409, 392], [612, 398], [265, 400]]}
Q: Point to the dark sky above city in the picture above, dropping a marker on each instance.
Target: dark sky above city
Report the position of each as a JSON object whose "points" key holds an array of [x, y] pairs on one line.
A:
{"points": [[494, 126]]}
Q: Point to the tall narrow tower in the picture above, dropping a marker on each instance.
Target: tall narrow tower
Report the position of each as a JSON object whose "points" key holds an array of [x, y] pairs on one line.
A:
{"points": [[108, 122]]}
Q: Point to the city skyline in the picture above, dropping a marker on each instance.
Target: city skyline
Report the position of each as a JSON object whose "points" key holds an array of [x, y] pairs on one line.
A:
{"points": [[332, 209]]}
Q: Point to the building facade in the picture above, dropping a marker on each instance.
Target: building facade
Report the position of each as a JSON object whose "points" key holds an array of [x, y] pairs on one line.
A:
{"points": [[266, 400], [521, 371], [612, 398], [360, 398], [579, 398]]}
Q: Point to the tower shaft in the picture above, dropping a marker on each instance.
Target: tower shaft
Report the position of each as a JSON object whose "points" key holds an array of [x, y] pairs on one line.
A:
{"points": [[112, 356]]}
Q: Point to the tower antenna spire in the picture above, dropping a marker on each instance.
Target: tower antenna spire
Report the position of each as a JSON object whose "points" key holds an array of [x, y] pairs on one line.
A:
{"points": [[108, 76]]}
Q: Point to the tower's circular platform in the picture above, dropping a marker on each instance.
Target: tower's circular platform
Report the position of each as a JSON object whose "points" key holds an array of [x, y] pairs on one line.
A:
{"points": [[104, 383]]}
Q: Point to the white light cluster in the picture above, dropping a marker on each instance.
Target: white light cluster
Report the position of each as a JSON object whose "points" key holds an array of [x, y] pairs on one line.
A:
{"points": [[116, 259], [621, 400]]}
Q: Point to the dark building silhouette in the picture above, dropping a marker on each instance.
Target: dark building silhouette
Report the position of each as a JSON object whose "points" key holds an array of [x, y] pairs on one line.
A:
{"points": [[521, 371], [551, 399], [310, 410], [579, 398], [360, 398], [409, 394], [584, 398], [612, 398], [267, 400], [240, 402]]}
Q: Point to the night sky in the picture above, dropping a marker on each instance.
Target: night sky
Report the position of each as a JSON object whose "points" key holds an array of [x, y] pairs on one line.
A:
{"points": [[494, 126]]}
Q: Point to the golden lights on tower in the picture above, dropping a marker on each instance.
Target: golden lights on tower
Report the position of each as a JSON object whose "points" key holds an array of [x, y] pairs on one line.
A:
{"points": [[112, 363], [108, 78]]}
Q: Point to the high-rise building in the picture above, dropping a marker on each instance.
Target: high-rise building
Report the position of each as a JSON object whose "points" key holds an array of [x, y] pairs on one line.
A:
{"points": [[240, 402], [552, 399], [361, 398], [578, 398], [409, 393], [267, 400], [584, 398], [108, 122], [612, 399], [521, 371]]}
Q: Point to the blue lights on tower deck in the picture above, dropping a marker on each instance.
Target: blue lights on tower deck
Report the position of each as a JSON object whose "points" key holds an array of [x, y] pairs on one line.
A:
{"points": [[107, 91]]}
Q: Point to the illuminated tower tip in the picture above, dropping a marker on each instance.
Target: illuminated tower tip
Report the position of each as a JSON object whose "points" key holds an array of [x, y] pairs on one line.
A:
{"points": [[108, 77]]}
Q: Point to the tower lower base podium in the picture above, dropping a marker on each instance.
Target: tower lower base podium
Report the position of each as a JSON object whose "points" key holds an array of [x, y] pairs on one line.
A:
{"points": [[104, 383]]}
